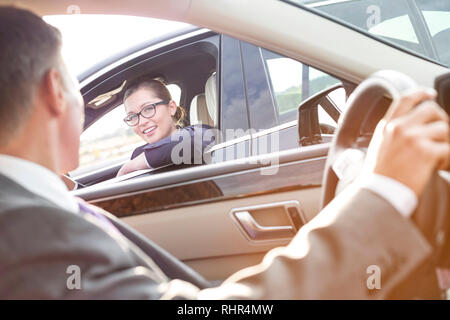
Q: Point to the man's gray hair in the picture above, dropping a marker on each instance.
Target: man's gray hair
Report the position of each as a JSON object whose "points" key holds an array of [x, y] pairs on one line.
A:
{"points": [[29, 47]]}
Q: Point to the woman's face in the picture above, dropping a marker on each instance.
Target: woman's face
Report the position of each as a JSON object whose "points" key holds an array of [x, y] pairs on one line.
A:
{"points": [[159, 126]]}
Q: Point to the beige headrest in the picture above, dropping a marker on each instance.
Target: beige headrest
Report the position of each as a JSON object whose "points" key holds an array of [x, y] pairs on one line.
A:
{"points": [[211, 98], [198, 112]]}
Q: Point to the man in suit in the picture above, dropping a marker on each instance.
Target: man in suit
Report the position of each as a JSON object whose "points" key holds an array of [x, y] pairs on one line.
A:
{"points": [[45, 233]]}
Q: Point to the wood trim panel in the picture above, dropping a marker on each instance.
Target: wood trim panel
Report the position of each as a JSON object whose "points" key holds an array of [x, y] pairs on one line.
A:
{"points": [[290, 176]]}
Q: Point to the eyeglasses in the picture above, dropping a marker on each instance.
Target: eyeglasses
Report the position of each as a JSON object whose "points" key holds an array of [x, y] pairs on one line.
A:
{"points": [[132, 119]]}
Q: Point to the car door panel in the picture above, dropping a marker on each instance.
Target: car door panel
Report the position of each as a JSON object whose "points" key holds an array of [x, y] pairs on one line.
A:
{"points": [[192, 217], [206, 184], [207, 238]]}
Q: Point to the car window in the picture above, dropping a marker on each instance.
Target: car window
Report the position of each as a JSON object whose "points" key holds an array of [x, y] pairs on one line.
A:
{"points": [[420, 26], [437, 18], [339, 98], [275, 86], [325, 118], [259, 98], [110, 140], [293, 82]]}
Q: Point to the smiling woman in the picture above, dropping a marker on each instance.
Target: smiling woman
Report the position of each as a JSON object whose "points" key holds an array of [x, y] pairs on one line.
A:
{"points": [[101, 147], [159, 121]]}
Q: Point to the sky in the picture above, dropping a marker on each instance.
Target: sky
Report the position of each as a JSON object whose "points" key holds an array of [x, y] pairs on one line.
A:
{"points": [[88, 39]]}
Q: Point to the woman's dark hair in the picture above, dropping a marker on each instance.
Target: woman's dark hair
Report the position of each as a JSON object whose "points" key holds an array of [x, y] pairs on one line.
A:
{"points": [[160, 90]]}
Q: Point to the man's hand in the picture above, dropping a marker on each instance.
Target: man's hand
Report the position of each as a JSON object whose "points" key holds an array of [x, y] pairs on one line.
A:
{"points": [[411, 141], [138, 163]]}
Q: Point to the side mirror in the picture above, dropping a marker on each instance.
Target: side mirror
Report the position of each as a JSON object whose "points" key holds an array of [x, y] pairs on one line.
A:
{"points": [[309, 128], [308, 125]]}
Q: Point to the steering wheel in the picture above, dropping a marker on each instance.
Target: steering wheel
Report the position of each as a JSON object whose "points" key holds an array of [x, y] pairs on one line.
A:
{"points": [[349, 146]]}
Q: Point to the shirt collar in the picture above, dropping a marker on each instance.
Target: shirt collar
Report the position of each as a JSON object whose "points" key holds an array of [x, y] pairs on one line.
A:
{"points": [[38, 180]]}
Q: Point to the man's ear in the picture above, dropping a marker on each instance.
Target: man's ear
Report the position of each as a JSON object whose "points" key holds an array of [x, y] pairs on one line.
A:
{"points": [[53, 91]]}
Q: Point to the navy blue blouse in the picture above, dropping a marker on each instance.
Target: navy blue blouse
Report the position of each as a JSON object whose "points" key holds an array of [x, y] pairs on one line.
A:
{"points": [[159, 153]]}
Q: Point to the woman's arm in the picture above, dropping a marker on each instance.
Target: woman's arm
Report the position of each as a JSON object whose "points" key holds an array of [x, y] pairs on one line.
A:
{"points": [[138, 163], [183, 147]]}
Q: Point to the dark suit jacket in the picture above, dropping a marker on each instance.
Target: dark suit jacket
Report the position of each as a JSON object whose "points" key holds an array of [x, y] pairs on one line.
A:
{"points": [[328, 258]]}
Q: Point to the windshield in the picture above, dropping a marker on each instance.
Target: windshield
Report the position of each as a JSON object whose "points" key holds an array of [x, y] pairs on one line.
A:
{"points": [[420, 26]]}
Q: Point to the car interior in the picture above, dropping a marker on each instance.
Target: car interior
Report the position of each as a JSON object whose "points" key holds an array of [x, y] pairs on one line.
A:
{"points": [[220, 218], [268, 222], [240, 225]]}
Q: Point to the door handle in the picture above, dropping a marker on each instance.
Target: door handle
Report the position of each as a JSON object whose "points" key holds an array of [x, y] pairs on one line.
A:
{"points": [[258, 232]]}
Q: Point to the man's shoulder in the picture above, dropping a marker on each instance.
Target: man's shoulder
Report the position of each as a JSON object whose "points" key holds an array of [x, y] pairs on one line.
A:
{"points": [[15, 197], [30, 216], [26, 216], [37, 228], [39, 243]]}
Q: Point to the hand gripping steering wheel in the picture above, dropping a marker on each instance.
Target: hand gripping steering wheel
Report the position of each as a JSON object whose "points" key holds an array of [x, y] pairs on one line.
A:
{"points": [[349, 146]]}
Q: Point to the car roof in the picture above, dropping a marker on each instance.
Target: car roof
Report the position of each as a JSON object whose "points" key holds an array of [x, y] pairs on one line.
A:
{"points": [[256, 24]]}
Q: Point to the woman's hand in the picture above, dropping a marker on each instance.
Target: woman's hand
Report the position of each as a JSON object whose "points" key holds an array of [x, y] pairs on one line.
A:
{"points": [[138, 163]]}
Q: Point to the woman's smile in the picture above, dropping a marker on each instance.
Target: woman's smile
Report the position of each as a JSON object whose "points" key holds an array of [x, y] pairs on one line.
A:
{"points": [[149, 131]]}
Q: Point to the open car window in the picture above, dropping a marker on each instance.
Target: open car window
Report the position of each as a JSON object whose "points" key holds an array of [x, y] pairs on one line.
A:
{"points": [[109, 140], [418, 26]]}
